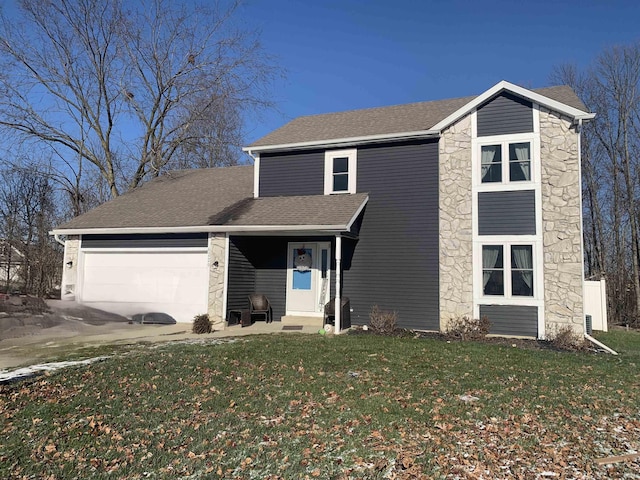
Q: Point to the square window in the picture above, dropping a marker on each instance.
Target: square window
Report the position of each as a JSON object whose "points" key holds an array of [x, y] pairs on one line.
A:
{"points": [[491, 163], [340, 182], [507, 270], [341, 165]]}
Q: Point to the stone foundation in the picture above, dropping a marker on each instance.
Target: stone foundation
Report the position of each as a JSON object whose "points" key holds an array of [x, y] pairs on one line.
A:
{"points": [[456, 232], [561, 217], [217, 253]]}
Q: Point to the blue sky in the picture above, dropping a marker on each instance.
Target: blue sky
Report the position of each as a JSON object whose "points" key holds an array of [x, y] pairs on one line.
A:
{"points": [[350, 54]]}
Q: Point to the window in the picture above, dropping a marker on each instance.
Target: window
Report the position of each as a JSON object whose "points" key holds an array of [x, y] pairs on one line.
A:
{"points": [[516, 158], [519, 269], [492, 270], [519, 162], [491, 163], [340, 172]]}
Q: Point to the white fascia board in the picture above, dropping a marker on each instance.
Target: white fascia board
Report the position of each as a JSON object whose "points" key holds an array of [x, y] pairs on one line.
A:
{"points": [[346, 142], [357, 214], [521, 92], [204, 229]]}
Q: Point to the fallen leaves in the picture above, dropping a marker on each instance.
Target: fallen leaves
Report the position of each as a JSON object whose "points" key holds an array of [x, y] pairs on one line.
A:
{"points": [[255, 409]]}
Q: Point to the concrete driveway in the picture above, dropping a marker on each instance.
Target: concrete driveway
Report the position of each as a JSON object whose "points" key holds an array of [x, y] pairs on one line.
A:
{"points": [[30, 339]]}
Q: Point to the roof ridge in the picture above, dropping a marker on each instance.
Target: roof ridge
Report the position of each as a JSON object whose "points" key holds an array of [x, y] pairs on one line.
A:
{"points": [[382, 107]]}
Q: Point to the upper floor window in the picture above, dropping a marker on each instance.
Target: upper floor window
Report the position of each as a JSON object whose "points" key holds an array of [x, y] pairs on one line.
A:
{"points": [[340, 171], [505, 162]]}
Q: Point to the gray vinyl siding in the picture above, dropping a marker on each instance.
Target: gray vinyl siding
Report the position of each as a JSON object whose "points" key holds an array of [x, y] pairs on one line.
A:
{"points": [[291, 174], [145, 240], [394, 262], [505, 114], [242, 278], [511, 319], [507, 213]]}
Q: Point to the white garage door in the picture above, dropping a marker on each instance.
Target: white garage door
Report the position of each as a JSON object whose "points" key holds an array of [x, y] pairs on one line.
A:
{"points": [[140, 282]]}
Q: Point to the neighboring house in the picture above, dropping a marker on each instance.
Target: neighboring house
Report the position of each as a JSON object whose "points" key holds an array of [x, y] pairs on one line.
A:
{"points": [[11, 260], [436, 210]]}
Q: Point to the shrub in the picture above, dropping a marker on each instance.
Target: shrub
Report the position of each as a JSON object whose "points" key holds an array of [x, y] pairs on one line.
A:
{"points": [[565, 338], [383, 322], [202, 324], [465, 328]]}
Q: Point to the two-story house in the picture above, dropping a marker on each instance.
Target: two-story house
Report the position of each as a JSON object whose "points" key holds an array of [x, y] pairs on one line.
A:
{"points": [[436, 210]]}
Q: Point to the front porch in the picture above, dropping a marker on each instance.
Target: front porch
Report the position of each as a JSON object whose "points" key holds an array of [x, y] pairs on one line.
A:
{"points": [[298, 274]]}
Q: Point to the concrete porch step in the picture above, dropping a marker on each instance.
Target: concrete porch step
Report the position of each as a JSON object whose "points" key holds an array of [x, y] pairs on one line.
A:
{"points": [[305, 321]]}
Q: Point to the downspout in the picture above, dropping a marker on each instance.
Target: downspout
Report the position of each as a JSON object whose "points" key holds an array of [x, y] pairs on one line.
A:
{"points": [[600, 344], [56, 236], [586, 335], [338, 300]]}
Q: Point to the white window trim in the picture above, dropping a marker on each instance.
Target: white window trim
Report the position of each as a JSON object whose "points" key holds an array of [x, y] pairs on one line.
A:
{"points": [[352, 155], [506, 243], [534, 240], [504, 141]]}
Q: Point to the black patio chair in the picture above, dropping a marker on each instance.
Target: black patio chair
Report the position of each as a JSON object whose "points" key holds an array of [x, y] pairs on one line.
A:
{"points": [[259, 305]]}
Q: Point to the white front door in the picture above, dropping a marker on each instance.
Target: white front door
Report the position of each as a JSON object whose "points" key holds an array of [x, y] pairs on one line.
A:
{"points": [[307, 278]]}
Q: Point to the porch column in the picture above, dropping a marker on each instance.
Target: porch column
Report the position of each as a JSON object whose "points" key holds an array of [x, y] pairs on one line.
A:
{"points": [[217, 279], [338, 304]]}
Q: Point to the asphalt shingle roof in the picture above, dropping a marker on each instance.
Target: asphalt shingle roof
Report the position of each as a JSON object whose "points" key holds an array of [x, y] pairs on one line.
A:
{"points": [[224, 196], [215, 196], [411, 117], [178, 199], [320, 210]]}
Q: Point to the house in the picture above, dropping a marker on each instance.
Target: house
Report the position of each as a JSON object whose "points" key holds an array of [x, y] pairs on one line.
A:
{"points": [[437, 210], [11, 264]]}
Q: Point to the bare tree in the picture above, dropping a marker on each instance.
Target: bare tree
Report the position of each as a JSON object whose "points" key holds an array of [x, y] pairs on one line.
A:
{"points": [[611, 182], [27, 214], [127, 89]]}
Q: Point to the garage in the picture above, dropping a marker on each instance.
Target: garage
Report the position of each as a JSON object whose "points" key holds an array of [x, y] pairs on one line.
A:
{"points": [[173, 281]]}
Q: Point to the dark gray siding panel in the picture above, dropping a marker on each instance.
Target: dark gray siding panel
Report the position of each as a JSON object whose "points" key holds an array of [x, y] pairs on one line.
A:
{"points": [[292, 174], [507, 213], [261, 269], [271, 273], [242, 277], [505, 114], [394, 262], [511, 319], [145, 240]]}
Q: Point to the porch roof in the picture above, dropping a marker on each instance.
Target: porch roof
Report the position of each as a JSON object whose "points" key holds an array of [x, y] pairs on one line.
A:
{"points": [[300, 212]]}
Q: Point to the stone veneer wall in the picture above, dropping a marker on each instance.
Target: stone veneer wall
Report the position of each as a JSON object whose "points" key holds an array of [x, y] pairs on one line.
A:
{"points": [[456, 232], [217, 253], [561, 217], [70, 275]]}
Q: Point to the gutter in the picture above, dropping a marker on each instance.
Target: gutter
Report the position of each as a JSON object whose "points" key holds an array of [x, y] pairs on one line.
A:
{"points": [[344, 142], [332, 229]]}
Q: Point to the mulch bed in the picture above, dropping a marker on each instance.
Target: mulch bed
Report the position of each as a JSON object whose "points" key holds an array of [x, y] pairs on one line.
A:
{"points": [[529, 344]]}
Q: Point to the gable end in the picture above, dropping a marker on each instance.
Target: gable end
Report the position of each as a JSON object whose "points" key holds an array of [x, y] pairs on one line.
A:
{"points": [[505, 114]]}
